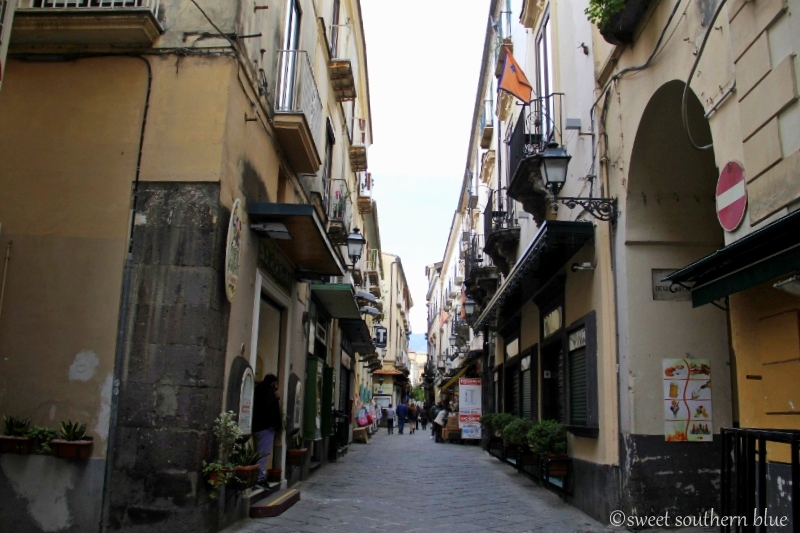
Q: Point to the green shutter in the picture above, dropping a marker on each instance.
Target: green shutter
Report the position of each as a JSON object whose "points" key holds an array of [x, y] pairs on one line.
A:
{"points": [[578, 391], [327, 402]]}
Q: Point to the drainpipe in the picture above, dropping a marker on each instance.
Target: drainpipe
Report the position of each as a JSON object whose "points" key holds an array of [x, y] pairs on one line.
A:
{"points": [[122, 327]]}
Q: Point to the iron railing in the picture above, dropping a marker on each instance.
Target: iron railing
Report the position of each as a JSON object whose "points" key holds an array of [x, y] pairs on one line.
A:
{"points": [[296, 90], [340, 206], [745, 470], [150, 5], [476, 257], [501, 210], [374, 259], [537, 125]]}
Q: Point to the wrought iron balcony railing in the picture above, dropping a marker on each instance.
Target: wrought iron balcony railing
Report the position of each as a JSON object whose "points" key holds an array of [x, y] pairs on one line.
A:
{"points": [[500, 212], [476, 257], [151, 5], [358, 131], [296, 90]]}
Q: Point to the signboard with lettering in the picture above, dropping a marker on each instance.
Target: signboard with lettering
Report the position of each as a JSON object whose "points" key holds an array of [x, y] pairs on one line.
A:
{"points": [[469, 407], [666, 290]]}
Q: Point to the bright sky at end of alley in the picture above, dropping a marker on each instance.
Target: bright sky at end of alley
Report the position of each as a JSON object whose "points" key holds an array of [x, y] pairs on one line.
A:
{"points": [[424, 60]]}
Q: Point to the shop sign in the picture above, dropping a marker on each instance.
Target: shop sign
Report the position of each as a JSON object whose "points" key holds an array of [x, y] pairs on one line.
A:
{"points": [[666, 290], [233, 249], [272, 262], [246, 402], [346, 361], [687, 400], [469, 407]]}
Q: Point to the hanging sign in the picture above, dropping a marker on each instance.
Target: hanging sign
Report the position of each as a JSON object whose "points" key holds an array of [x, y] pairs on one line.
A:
{"points": [[731, 196], [233, 249]]}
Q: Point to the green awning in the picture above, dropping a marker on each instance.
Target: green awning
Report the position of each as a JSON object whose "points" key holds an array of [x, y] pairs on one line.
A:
{"points": [[338, 299], [761, 256]]}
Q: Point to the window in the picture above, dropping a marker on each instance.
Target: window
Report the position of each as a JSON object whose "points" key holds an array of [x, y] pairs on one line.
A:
{"points": [[335, 28], [581, 377], [289, 56], [327, 167], [544, 74]]}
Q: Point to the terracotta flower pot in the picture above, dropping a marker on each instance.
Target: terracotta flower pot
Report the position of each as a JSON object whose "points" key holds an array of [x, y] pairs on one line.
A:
{"points": [[621, 28], [71, 449], [246, 476], [20, 445], [296, 457]]}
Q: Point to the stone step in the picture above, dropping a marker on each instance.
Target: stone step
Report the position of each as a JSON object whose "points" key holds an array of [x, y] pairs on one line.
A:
{"points": [[275, 504]]}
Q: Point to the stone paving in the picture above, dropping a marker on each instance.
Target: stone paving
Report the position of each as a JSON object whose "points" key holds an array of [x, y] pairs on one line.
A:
{"points": [[407, 483]]}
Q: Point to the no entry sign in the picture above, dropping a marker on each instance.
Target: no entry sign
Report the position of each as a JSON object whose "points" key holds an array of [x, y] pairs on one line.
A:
{"points": [[731, 196]]}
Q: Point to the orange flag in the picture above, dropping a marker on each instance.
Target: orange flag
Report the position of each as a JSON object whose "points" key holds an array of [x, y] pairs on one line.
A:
{"points": [[513, 80]]}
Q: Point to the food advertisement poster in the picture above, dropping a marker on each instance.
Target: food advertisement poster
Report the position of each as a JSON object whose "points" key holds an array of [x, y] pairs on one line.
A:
{"points": [[469, 407], [687, 400]]}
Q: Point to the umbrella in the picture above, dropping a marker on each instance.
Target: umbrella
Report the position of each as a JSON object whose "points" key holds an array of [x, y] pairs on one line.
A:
{"points": [[362, 295], [369, 311]]}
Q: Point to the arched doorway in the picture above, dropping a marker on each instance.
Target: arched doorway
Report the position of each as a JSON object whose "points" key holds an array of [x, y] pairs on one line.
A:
{"points": [[669, 220]]}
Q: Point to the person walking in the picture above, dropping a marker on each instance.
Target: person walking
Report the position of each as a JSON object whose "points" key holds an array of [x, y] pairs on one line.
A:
{"points": [[266, 421], [434, 411], [412, 419], [438, 424], [390, 412], [402, 413], [423, 418], [418, 409]]}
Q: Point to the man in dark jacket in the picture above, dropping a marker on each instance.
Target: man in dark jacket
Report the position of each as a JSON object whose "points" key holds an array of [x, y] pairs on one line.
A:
{"points": [[266, 420], [402, 412]]}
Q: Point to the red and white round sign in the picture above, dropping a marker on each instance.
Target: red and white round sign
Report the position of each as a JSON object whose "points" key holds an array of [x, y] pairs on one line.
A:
{"points": [[731, 196]]}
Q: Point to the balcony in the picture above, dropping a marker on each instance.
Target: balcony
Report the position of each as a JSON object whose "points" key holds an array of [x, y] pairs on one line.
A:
{"points": [[374, 266], [85, 23], [501, 228], [487, 124], [298, 111], [482, 277], [536, 126], [340, 67], [359, 141], [339, 211], [364, 193]]}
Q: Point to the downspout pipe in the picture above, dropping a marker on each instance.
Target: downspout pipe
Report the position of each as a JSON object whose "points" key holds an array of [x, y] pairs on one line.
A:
{"points": [[122, 326]]}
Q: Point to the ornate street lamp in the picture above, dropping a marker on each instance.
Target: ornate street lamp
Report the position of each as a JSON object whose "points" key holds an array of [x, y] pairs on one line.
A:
{"points": [[355, 246], [469, 306], [453, 340]]}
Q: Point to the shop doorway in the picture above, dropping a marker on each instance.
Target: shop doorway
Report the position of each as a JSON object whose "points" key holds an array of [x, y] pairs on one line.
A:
{"points": [[552, 379]]}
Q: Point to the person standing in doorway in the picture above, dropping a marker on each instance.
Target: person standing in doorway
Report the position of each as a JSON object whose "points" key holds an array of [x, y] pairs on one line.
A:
{"points": [[390, 412], [266, 420], [402, 413]]}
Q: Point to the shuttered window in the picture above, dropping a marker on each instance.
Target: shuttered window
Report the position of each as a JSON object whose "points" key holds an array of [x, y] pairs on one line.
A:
{"points": [[526, 394], [578, 391]]}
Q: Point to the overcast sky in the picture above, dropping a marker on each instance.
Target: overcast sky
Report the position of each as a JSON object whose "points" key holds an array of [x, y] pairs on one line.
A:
{"points": [[424, 60]]}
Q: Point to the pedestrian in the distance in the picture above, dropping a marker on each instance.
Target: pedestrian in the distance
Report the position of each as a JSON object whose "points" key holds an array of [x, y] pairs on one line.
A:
{"points": [[390, 412], [266, 420], [423, 418], [412, 419], [438, 424], [402, 414]]}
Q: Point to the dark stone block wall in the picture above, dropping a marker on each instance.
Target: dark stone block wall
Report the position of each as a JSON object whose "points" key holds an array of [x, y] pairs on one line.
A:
{"points": [[172, 378], [595, 489], [681, 478]]}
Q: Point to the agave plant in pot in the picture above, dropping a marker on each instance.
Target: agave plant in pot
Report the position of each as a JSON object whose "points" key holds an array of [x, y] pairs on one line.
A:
{"points": [[16, 439], [246, 469], [73, 442]]}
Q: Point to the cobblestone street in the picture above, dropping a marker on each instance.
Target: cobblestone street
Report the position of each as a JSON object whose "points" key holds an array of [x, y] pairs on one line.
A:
{"points": [[408, 483]]}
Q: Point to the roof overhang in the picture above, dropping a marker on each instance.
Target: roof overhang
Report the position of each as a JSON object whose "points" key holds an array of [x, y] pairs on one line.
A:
{"points": [[761, 256], [304, 242], [337, 298], [550, 249], [357, 333]]}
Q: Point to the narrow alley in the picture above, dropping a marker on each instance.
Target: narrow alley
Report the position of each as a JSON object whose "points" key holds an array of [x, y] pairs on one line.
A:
{"points": [[407, 483]]}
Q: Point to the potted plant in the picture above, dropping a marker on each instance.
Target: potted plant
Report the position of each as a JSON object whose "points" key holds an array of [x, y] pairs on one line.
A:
{"points": [[547, 439], [73, 444], [246, 468], [221, 472], [16, 439], [487, 430], [296, 452], [617, 20], [41, 437], [218, 474], [515, 436]]}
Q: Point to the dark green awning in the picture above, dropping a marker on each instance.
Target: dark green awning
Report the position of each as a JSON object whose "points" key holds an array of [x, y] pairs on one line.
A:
{"points": [[337, 298], [357, 333], [761, 256], [553, 245]]}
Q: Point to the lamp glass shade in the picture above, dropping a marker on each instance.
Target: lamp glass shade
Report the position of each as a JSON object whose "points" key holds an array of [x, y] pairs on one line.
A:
{"points": [[469, 306], [355, 245], [554, 167], [453, 339]]}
